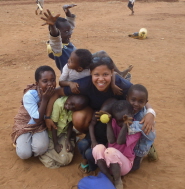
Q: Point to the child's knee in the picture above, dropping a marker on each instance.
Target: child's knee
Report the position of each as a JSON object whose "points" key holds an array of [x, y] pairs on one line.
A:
{"points": [[83, 145], [24, 153], [98, 152]]}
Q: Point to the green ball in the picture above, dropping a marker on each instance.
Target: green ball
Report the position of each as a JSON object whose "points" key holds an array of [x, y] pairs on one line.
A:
{"points": [[104, 118]]}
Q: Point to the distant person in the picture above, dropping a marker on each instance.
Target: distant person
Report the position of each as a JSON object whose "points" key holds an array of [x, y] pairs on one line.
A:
{"points": [[29, 133], [131, 6], [40, 5]]}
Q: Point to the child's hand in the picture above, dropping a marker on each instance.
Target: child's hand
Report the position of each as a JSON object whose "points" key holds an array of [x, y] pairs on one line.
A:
{"points": [[69, 146], [48, 93], [58, 148], [148, 123], [50, 124], [93, 144], [127, 120], [65, 7], [130, 68], [50, 19], [116, 90], [74, 87], [98, 115]]}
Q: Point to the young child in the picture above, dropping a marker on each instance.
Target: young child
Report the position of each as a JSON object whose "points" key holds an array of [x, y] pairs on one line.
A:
{"points": [[138, 98], [77, 68], [40, 5], [62, 140], [29, 131], [131, 6], [59, 47], [118, 158]]}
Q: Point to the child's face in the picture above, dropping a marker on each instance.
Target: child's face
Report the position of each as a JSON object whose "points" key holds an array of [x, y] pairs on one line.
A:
{"points": [[47, 79], [101, 77], [119, 117], [137, 99], [73, 61], [66, 32], [71, 104]]}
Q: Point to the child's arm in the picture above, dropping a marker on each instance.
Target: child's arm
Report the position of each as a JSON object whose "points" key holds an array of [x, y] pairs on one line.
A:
{"points": [[69, 146], [58, 147], [127, 121], [91, 131], [58, 93], [149, 119], [63, 81], [37, 113], [50, 20], [110, 133], [73, 86], [70, 17], [116, 90]]}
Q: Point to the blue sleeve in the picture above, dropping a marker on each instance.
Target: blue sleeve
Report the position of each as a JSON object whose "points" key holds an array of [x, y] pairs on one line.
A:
{"points": [[85, 85], [30, 100], [123, 84]]}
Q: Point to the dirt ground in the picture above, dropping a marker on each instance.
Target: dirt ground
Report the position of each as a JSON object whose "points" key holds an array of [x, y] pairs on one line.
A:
{"points": [[158, 64]]}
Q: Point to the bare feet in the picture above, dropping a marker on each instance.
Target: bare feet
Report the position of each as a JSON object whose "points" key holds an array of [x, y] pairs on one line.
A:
{"points": [[36, 12]]}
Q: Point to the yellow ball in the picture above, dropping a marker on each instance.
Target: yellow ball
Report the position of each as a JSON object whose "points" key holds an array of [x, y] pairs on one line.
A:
{"points": [[143, 33], [104, 118]]}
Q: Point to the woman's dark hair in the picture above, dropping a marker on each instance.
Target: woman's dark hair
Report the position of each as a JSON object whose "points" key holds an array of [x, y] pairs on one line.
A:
{"points": [[138, 87], [85, 58], [100, 61], [121, 105], [42, 69]]}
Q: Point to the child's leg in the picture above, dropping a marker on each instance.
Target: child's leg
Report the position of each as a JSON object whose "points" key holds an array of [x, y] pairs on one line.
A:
{"points": [[40, 143], [23, 146], [88, 163], [98, 154]]}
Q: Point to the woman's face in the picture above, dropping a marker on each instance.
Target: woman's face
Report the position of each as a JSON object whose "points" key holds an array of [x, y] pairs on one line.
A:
{"points": [[101, 77]]}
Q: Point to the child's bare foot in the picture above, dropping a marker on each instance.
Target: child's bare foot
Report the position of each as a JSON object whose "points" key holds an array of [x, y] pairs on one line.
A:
{"points": [[130, 68], [118, 184], [36, 12], [40, 12]]}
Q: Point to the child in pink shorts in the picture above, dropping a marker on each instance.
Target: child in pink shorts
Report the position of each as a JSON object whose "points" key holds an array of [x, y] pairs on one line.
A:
{"points": [[117, 159]]}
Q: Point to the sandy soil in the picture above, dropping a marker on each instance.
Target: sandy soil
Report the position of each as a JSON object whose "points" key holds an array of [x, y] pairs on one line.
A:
{"points": [[158, 64]]}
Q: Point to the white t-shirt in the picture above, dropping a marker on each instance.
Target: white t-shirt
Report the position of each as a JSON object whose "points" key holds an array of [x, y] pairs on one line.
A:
{"points": [[70, 75]]}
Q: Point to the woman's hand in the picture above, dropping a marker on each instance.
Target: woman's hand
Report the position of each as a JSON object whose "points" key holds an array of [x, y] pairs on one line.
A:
{"points": [[74, 87], [49, 18], [98, 115], [58, 148], [148, 123]]}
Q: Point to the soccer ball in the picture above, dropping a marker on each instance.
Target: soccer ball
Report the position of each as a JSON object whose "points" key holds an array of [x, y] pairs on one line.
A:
{"points": [[143, 33]]}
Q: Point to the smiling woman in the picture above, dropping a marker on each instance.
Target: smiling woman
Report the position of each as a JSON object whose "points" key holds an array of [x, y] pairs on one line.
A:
{"points": [[97, 87]]}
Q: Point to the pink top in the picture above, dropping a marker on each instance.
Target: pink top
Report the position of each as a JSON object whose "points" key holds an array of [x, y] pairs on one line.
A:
{"points": [[131, 140]]}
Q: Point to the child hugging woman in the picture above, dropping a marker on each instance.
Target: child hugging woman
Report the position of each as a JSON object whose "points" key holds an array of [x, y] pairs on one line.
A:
{"points": [[29, 133]]}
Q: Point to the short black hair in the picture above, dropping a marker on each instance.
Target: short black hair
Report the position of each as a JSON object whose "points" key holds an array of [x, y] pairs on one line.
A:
{"points": [[59, 21], [138, 87], [121, 105], [42, 69], [85, 58], [81, 100]]}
